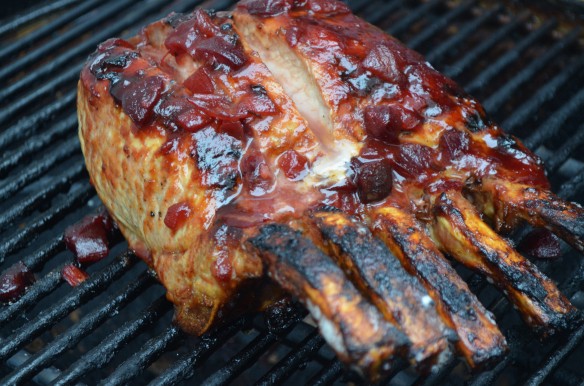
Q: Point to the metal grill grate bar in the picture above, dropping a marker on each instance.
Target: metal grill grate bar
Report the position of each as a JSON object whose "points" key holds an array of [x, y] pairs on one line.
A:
{"points": [[12, 158], [312, 343], [184, 367], [440, 24], [64, 151], [48, 88], [105, 12], [42, 255], [511, 56], [328, 374], [554, 123], [544, 94], [253, 350], [31, 123], [437, 376], [64, 60], [379, 12], [149, 352], [563, 153], [101, 355], [33, 294], [412, 17], [47, 29], [73, 335], [21, 237], [34, 15], [495, 101], [437, 53], [575, 185], [73, 300], [30, 203], [241, 361], [473, 55], [488, 377], [556, 358]]}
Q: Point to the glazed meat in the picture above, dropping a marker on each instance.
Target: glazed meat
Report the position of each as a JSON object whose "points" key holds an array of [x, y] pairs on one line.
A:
{"points": [[292, 140]]}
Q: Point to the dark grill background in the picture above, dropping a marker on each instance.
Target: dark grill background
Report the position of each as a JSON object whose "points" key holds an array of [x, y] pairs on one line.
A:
{"points": [[117, 327]]}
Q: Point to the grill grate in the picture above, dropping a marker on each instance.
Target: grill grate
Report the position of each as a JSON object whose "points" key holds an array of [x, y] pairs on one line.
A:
{"points": [[115, 327]]}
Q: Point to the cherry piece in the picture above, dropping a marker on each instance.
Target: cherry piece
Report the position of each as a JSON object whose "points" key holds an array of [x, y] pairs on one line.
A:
{"points": [[293, 164], [325, 7], [73, 275], [192, 120], [177, 215], [224, 52], [256, 173], [413, 160], [372, 178], [14, 281], [384, 64], [89, 238], [541, 244], [454, 143], [232, 128], [386, 122], [140, 97], [200, 82], [222, 268]]}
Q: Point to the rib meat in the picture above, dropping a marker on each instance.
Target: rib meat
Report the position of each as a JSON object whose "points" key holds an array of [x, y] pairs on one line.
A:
{"points": [[293, 140]]}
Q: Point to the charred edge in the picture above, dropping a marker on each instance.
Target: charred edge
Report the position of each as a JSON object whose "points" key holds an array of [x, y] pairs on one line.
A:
{"points": [[299, 263], [456, 300], [357, 242], [450, 293], [296, 251], [386, 283], [525, 279], [475, 123], [565, 218]]}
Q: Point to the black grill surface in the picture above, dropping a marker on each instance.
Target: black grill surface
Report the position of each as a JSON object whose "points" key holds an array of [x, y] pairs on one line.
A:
{"points": [[115, 328]]}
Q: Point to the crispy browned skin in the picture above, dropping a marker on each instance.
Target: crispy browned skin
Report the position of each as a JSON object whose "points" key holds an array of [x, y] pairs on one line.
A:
{"points": [[354, 328], [480, 340], [379, 274], [206, 127]]}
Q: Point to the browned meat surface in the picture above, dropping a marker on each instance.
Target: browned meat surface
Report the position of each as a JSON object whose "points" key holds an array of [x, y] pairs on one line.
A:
{"points": [[291, 139]]}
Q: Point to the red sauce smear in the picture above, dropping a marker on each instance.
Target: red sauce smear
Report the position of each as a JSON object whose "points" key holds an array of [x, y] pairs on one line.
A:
{"points": [[14, 281]]}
